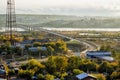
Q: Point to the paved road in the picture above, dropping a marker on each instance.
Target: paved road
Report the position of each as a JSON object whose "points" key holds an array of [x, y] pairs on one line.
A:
{"points": [[90, 46]]}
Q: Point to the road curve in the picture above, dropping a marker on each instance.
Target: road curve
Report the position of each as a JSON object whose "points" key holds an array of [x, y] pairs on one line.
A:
{"points": [[90, 46]]}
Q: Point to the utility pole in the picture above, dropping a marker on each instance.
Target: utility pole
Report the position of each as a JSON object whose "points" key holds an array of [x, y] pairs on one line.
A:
{"points": [[10, 19]]}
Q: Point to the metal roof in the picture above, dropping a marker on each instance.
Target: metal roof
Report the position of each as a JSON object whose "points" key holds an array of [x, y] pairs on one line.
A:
{"points": [[108, 58], [35, 49], [98, 53], [2, 71], [83, 75], [2, 79]]}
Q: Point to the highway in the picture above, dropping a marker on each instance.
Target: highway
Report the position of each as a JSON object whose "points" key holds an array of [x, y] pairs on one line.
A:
{"points": [[90, 46]]}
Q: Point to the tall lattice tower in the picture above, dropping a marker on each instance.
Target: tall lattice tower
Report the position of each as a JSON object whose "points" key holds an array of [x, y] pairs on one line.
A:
{"points": [[10, 19]]}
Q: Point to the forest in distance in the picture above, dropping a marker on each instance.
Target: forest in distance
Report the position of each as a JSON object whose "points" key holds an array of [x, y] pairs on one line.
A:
{"points": [[63, 21]]}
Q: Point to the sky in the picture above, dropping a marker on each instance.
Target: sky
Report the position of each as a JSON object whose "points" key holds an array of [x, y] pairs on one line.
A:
{"points": [[66, 7]]}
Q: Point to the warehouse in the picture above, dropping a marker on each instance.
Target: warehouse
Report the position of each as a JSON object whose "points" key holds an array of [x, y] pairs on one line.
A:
{"points": [[101, 55]]}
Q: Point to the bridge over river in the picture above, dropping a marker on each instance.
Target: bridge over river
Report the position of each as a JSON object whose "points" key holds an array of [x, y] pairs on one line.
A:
{"points": [[90, 46]]}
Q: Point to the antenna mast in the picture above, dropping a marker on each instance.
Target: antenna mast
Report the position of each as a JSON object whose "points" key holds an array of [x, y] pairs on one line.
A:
{"points": [[10, 19]]}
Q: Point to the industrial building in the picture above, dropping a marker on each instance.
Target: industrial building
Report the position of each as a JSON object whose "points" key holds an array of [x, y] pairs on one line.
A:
{"points": [[101, 55]]}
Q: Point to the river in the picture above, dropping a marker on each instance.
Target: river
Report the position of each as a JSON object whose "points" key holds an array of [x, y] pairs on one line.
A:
{"points": [[86, 29], [71, 29]]}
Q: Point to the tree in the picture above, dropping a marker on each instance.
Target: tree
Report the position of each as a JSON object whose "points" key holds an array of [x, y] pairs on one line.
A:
{"points": [[36, 44], [40, 77], [6, 68], [77, 71], [8, 44], [11, 72], [18, 51], [26, 74], [60, 46], [115, 75], [105, 48], [85, 63], [105, 67], [51, 65], [34, 65], [61, 63], [73, 62], [49, 77], [50, 50], [56, 64], [99, 76], [92, 66], [27, 46], [63, 75]]}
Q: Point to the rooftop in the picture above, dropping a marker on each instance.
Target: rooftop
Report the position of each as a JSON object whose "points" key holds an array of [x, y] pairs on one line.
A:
{"points": [[83, 75], [2, 71], [107, 58]]}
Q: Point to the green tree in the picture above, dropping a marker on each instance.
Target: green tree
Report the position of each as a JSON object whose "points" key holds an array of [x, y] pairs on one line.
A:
{"points": [[26, 74], [92, 66], [50, 50], [60, 46], [51, 65], [34, 65], [40, 77], [56, 64], [63, 75], [27, 46], [49, 77], [73, 62], [8, 44], [77, 71], [61, 63], [99, 76], [87, 65], [115, 75], [36, 44], [105, 67], [105, 48]]}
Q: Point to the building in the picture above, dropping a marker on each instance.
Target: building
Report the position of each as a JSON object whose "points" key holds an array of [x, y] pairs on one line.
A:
{"points": [[85, 76], [41, 40], [101, 55], [36, 49], [2, 74]]}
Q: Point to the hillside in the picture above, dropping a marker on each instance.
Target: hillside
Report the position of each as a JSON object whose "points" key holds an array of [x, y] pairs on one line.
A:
{"points": [[65, 21]]}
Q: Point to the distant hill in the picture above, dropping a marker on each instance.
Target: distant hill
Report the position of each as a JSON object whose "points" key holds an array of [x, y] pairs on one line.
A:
{"points": [[65, 21]]}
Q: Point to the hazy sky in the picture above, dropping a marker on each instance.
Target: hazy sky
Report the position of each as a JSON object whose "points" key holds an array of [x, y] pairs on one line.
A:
{"points": [[66, 7]]}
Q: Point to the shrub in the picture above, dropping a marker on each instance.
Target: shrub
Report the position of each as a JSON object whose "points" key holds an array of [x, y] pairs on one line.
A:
{"points": [[115, 75], [77, 71], [26, 73], [49, 77], [11, 72], [40, 77], [100, 76]]}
